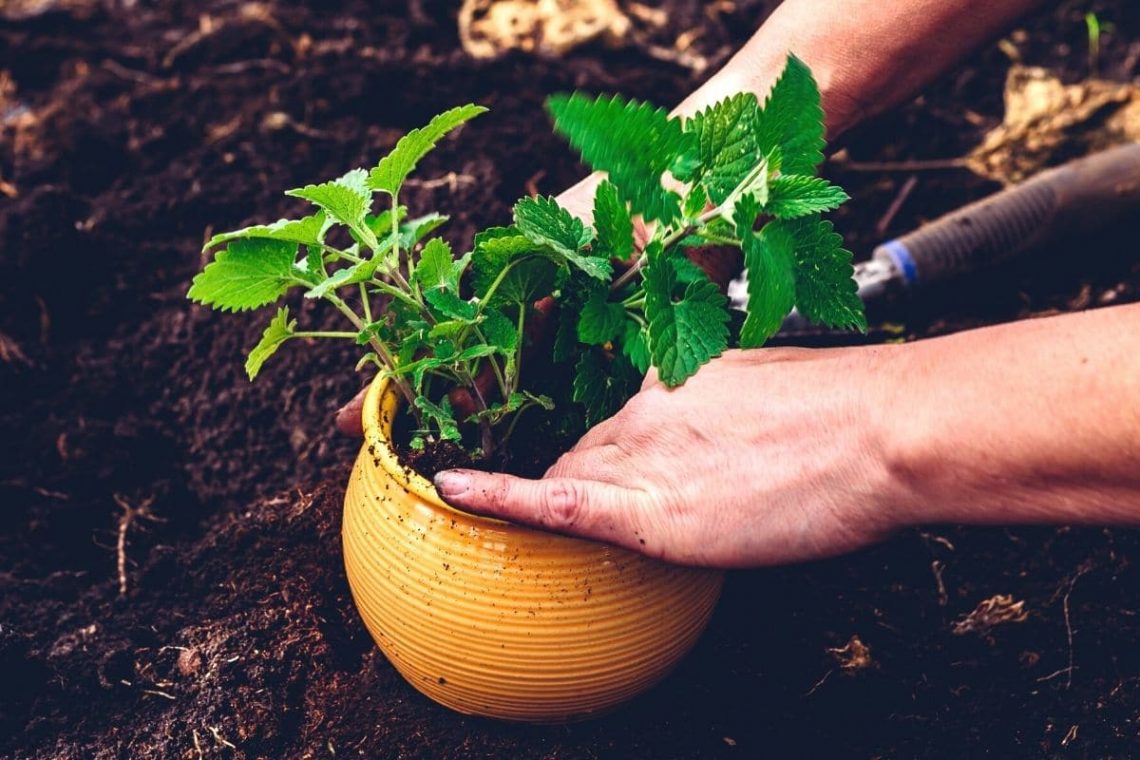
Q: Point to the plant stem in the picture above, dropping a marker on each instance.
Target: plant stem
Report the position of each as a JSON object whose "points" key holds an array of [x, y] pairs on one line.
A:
{"points": [[364, 303], [513, 382], [382, 352], [389, 289], [494, 366], [324, 334], [666, 242]]}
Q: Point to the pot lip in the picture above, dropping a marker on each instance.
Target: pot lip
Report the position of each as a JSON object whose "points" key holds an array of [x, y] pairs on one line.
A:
{"points": [[381, 403]]}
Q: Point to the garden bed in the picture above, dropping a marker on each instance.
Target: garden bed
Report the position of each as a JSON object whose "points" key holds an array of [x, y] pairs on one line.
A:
{"points": [[172, 584]]}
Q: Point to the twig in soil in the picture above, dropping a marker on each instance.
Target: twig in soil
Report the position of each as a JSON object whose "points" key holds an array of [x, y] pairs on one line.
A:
{"points": [[892, 211], [125, 520], [916, 165], [531, 185], [240, 67], [197, 744], [451, 181], [162, 694], [133, 75], [819, 683], [221, 740], [1068, 623], [937, 567]]}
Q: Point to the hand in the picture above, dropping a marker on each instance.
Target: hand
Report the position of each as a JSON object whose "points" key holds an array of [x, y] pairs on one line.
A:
{"points": [[763, 457]]}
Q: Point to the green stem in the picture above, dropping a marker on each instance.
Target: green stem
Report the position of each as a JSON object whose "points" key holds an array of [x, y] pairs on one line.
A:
{"points": [[486, 299], [365, 303], [324, 334], [513, 382], [382, 352], [395, 292], [494, 366], [666, 242], [514, 422]]}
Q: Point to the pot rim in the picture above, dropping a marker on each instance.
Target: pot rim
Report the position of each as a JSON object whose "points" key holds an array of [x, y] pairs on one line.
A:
{"points": [[381, 404]]}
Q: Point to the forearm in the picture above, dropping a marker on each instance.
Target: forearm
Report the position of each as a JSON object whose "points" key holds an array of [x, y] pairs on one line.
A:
{"points": [[867, 55], [1033, 422]]}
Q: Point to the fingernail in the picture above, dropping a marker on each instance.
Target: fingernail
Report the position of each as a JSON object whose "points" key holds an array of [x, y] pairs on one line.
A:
{"points": [[451, 483]]}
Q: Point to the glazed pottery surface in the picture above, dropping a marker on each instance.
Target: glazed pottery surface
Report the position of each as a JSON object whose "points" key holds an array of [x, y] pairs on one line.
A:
{"points": [[494, 619]]}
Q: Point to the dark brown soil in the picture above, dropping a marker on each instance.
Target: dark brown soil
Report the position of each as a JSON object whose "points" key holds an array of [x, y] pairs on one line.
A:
{"points": [[128, 129]]}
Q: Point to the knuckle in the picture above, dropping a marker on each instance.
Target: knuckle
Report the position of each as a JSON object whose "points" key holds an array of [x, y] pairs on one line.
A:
{"points": [[563, 503]]}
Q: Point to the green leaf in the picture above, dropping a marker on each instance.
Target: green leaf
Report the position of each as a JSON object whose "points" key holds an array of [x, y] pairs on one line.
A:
{"points": [[516, 401], [500, 332], [613, 224], [544, 222], [602, 385], [726, 142], [754, 184], [381, 226], [347, 199], [415, 230], [245, 275], [635, 345], [436, 267], [770, 263], [684, 333], [529, 273], [795, 195], [393, 169], [547, 225], [600, 320], [279, 330], [792, 120], [309, 230], [634, 142], [450, 305], [695, 202], [826, 292], [442, 415], [350, 275]]}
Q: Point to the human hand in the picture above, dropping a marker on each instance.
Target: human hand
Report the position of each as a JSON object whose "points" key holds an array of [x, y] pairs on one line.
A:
{"points": [[763, 457]]}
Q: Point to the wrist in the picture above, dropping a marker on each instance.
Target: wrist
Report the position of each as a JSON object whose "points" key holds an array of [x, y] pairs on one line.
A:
{"points": [[903, 447]]}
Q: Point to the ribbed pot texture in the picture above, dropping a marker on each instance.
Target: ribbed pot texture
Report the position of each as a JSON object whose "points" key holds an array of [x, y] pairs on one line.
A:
{"points": [[498, 620]]}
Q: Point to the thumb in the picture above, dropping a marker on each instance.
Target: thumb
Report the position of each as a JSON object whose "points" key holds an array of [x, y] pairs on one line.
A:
{"points": [[585, 508]]}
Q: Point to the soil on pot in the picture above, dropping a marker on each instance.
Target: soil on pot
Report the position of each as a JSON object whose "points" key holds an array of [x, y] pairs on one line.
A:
{"points": [[133, 440]]}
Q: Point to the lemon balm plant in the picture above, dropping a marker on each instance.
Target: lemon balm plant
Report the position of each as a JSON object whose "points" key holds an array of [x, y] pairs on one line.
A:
{"points": [[484, 616], [431, 320]]}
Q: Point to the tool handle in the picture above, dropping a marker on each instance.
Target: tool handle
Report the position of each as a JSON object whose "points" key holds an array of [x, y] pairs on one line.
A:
{"points": [[1078, 197]]}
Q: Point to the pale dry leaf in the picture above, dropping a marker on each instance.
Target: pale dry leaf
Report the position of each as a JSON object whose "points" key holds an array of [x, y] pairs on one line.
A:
{"points": [[1047, 123], [997, 610], [852, 656], [491, 28]]}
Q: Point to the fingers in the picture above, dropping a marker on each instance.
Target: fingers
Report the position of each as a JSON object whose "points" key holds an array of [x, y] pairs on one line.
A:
{"points": [[348, 417], [583, 508]]}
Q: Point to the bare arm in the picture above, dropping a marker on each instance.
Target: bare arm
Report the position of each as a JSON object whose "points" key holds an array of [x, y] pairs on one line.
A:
{"points": [[867, 55], [823, 451], [1032, 422]]}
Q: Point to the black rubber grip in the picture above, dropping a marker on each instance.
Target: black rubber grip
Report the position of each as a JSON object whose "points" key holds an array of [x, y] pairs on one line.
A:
{"points": [[1072, 199]]}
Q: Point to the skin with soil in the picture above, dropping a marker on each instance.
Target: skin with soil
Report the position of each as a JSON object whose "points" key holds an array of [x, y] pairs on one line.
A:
{"points": [[126, 133]]}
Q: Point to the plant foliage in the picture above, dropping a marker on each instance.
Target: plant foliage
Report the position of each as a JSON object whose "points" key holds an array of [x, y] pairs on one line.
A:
{"points": [[738, 173]]}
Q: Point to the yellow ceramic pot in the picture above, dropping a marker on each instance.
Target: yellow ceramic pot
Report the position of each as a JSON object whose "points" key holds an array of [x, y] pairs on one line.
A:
{"points": [[498, 620]]}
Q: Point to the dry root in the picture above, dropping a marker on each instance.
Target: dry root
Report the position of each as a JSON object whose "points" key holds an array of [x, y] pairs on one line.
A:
{"points": [[997, 610], [852, 656]]}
